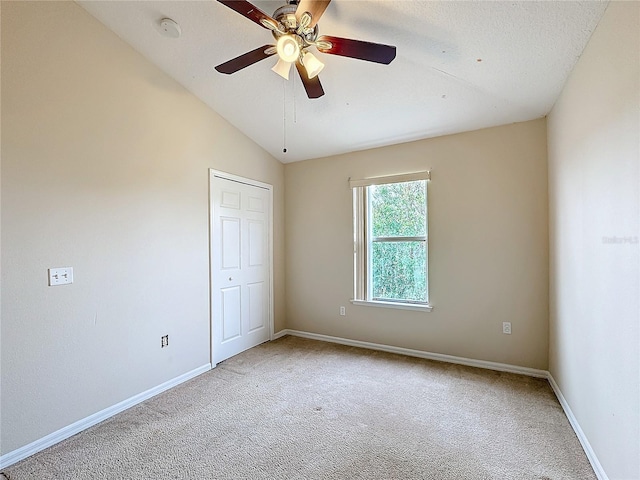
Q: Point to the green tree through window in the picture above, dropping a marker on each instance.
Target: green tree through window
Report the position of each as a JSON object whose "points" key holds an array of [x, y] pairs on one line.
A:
{"points": [[397, 246]]}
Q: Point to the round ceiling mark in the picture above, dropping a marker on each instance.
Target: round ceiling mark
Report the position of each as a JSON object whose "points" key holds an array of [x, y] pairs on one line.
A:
{"points": [[169, 28]]}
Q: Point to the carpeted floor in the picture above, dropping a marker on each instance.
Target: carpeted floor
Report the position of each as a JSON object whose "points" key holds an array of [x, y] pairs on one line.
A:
{"points": [[302, 409]]}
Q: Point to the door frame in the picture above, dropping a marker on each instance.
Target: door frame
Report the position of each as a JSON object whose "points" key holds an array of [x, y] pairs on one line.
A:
{"points": [[254, 183]]}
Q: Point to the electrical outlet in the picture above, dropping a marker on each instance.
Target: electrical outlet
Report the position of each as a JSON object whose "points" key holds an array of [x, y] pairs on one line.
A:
{"points": [[506, 328], [165, 341], [343, 311]]}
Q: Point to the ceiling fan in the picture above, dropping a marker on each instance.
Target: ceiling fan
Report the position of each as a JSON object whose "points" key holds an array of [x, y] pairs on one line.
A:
{"points": [[295, 29]]}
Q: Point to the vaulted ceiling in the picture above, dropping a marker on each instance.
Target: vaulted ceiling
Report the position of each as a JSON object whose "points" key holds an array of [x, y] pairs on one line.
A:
{"points": [[460, 66]]}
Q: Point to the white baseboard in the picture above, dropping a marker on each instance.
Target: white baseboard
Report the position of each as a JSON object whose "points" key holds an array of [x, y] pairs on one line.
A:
{"points": [[501, 367], [586, 446], [280, 334], [70, 430]]}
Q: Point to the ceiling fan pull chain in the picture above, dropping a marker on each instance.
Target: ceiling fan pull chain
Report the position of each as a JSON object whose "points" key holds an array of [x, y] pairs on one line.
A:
{"points": [[295, 110], [284, 116]]}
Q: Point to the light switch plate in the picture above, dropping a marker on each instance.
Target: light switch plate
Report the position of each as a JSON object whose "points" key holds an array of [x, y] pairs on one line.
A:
{"points": [[60, 276]]}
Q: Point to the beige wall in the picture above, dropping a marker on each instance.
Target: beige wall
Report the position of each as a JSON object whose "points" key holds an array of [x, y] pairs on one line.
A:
{"points": [[488, 252], [104, 168], [594, 185]]}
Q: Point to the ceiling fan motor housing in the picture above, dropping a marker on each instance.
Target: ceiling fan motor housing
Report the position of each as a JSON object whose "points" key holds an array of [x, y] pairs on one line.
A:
{"points": [[286, 17]]}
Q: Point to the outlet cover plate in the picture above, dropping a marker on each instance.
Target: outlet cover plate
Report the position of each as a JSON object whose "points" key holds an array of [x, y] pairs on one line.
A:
{"points": [[60, 276]]}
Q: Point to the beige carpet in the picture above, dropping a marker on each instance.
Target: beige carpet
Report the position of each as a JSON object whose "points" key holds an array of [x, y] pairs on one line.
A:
{"points": [[301, 409]]}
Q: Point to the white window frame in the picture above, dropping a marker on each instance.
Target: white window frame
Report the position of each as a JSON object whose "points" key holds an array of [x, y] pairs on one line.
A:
{"points": [[362, 292]]}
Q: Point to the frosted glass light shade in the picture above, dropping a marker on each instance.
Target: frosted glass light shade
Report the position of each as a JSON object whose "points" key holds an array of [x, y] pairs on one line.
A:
{"points": [[312, 65], [288, 48], [282, 68]]}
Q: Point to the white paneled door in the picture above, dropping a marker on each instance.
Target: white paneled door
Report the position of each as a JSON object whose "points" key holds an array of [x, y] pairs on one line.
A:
{"points": [[240, 265]]}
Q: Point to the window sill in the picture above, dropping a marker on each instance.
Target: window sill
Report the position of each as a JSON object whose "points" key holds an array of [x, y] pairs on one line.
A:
{"points": [[398, 306]]}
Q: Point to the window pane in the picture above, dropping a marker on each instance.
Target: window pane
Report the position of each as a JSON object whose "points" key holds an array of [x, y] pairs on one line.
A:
{"points": [[399, 271], [399, 209]]}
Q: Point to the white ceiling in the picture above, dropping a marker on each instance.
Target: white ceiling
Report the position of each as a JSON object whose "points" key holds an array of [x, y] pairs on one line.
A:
{"points": [[460, 66]]}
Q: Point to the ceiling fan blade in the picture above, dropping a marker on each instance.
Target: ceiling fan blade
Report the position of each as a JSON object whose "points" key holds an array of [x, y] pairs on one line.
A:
{"points": [[250, 11], [245, 60], [312, 86], [315, 7], [371, 52]]}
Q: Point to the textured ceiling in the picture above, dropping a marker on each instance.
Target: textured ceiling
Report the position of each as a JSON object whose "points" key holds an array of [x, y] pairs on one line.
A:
{"points": [[460, 66]]}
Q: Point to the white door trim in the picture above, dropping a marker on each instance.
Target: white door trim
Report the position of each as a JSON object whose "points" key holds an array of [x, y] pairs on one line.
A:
{"points": [[249, 181]]}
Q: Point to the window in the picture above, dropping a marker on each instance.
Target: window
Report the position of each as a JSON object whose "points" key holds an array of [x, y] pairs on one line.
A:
{"points": [[391, 241]]}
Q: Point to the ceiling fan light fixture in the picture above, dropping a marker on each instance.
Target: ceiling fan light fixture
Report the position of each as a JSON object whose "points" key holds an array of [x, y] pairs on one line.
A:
{"points": [[282, 68], [288, 48], [294, 26], [312, 65]]}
